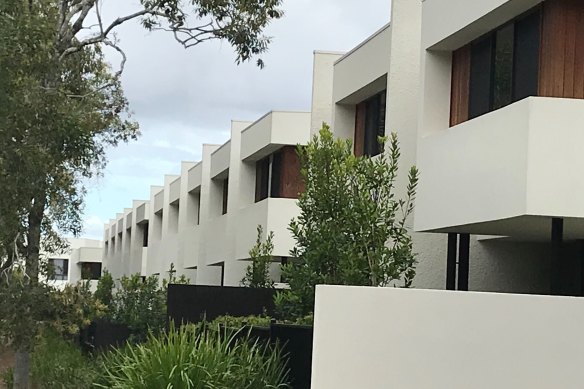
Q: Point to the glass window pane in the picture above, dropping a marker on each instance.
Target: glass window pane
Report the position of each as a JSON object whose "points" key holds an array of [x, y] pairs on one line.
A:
{"points": [[480, 77], [503, 82], [527, 43]]}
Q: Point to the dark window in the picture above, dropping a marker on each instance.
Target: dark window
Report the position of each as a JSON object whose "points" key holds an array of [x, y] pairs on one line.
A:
{"points": [[370, 125], [262, 179], [90, 271], [480, 77], [225, 196], [276, 174], [145, 235], [503, 82], [59, 269], [198, 200], [526, 66], [505, 65]]}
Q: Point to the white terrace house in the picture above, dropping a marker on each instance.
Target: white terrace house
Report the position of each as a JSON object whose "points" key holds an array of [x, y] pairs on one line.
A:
{"points": [[502, 102], [486, 105], [81, 262], [491, 119], [204, 220]]}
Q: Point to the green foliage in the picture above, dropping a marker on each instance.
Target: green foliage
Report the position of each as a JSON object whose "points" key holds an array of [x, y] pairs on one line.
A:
{"points": [[196, 357], [7, 378], [59, 364], [75, 308], [27, 308], [234, 322], [352, 226], [257, 274], [105, 287], [140, 303]]}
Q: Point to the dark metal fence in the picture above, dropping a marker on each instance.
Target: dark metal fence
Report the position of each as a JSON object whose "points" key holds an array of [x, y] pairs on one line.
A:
{"points": [[195, 303]]}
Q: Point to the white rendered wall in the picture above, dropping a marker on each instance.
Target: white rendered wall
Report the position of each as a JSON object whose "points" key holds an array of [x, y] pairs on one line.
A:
{"points": [[385, 337], [509, 163], [466, 20], [322, 89], [356, 69], [206, 275]]}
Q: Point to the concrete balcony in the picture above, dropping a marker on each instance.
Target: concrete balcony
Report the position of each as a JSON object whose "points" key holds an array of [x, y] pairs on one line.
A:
{"points": [[466, 20], [506, 173], [356, 75], [271, 132], [273, 214]]}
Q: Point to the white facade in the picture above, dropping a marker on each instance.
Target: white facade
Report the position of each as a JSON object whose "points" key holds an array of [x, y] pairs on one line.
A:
{"points": [[490, 177], [371, 338], [205, 234], [83, 257]]}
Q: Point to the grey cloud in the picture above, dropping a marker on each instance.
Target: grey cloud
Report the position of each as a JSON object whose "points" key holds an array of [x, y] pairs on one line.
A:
{"points": [[184, 98]]}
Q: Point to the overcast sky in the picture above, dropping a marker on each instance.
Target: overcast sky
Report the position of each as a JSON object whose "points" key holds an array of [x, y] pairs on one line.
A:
{"points": [[184, 98]]}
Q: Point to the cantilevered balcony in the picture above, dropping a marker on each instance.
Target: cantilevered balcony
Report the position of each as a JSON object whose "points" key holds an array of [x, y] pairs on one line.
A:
{"points": [[508, 172]]}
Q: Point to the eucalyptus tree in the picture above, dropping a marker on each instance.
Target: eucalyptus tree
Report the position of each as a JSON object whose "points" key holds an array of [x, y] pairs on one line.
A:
{"points": [[62, 105]]}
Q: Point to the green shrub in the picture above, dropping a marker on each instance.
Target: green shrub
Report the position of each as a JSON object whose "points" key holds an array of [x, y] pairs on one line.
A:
{"points": [[195, 357], [138, 303], [7, 378], [57, 363], [105, 287], [240, 322], [257, 274], [352, 226]]}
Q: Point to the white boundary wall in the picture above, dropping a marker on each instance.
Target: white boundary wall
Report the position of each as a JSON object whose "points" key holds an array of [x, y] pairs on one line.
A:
{"points": [[398, 338]]}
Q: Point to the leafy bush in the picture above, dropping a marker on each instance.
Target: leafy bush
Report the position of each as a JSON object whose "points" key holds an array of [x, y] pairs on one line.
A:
{"points": [[57, 363], [105, 288], [352, 227], [195, 357], [138, 302], [257, 274], [234, 322], [7, 378]]}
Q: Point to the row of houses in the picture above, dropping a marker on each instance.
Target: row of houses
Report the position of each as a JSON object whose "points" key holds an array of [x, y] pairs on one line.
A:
{"points": [[486, 98]]}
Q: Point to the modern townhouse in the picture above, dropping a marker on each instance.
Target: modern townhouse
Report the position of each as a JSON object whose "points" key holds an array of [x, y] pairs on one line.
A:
{"points": [[471, 101], [499, 206], [500, 124], [204, 220], [81, 262], [487, 109]]}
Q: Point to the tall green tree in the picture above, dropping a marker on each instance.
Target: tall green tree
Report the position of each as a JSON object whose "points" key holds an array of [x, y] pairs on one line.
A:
{"points": [[352, 226], [62, 105]]}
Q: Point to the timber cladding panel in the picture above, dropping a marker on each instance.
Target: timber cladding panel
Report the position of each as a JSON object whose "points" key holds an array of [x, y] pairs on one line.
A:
{"points": [[291, 182], [560, 68], [460, 85], [561, 72]]}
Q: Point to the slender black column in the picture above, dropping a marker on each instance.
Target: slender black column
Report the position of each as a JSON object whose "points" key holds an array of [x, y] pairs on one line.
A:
{"points": [[581, 256], [451, 262], [556, 260], [222, 273], [463, 261]]}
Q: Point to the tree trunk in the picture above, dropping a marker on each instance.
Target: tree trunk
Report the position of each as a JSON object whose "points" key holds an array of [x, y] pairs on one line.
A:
{"points": [[35, 219], [21, 369]]}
